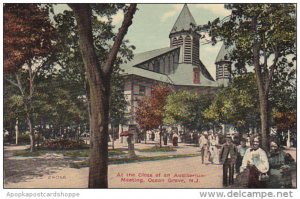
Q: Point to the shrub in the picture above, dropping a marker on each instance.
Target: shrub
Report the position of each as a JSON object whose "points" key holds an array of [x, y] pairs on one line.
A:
{"points": [[24, 138], [7, 138], [62, 144], [156, 148]]}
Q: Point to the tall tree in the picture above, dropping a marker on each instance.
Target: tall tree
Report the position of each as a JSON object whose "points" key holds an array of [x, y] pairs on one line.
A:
{"points": [[99, 80], [236, 104], [71, 64], [150, 111], [28, 42], [262, 35], [186, 108]]}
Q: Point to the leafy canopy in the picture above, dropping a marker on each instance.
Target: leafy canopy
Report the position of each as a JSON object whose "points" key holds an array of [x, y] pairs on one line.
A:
{"points": [[150, 110], [28, 34]]}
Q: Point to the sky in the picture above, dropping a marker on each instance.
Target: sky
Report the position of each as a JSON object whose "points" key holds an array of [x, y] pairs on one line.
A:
{"points": [[152, 24]]}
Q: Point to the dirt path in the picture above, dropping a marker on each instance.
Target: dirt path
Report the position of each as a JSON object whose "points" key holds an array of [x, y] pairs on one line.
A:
{"points": [[175, 173], [52, 171]]}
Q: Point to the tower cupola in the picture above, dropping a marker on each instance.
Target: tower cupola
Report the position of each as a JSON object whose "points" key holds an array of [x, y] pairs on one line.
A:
{"points": [[184, 35]]}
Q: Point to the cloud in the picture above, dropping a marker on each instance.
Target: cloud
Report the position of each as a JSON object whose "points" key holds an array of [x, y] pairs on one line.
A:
{"points": [[116, 19], [215, 9], [175, 9]]}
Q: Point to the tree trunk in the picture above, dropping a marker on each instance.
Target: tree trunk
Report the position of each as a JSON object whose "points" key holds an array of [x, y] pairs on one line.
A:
{"points": [[99, 89], [160, 132], [99, 99], [38, 138], [17, 130], [113, 137], [31, 132], [288, 141], [263, 94], [131, 153], [98, 140], [263, 105]]}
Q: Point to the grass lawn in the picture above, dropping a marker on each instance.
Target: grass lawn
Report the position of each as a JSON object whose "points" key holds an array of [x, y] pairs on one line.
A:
{"points": [[69, 153], [116, 156], [78, 165], [27, 153], [158, 149]]}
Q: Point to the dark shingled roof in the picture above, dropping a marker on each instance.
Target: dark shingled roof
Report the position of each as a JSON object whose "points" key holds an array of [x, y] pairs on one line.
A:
{"points": [[181, 76], [184, 21], [145, 56]]}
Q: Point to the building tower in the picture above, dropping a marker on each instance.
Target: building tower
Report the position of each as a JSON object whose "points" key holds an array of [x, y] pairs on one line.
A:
{"points": [[182, 34], [223, 67]]}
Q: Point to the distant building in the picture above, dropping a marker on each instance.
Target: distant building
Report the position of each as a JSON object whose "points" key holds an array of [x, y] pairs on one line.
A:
{"points": [[178, 65], [223, 67]]}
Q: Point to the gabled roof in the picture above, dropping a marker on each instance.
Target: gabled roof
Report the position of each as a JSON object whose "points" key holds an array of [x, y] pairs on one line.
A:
{"points": [[140, 72], [184, 76], [145, 56], [223, 54], [184, 21], [205, 72]]}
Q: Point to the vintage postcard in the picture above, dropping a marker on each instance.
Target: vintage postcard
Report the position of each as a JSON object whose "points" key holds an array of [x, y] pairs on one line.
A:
{"points": [[112, 95]]}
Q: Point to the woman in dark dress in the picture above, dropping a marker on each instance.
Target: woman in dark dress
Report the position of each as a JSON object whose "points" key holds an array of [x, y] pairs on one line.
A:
{"points": [[281, 164]]}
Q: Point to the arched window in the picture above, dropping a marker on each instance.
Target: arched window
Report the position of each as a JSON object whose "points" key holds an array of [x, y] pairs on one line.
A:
{"points": [[188, 49]]}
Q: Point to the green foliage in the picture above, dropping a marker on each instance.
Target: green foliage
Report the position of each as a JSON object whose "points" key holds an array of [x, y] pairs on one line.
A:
{"points": [[61, 91], [187, 108], [62, 103], [156, 148], [237, 104], [70, 60], [283, 96], [12, 108], [27, 153], [76, 153], [63, 144], [260, 36], [24, 138], [275, 30]]}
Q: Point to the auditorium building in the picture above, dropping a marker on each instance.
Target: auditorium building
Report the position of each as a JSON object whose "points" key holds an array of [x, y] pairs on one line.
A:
{"points": [[177, 65]]}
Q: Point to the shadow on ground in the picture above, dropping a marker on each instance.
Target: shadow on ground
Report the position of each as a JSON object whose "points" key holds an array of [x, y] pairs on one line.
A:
{"points": [[20, 169]]}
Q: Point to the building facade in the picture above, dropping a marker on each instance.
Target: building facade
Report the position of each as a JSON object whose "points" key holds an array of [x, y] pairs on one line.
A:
{"points": [[178, 65]]}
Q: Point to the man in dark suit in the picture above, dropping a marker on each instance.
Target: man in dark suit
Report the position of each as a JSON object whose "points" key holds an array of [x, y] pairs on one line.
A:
{"points": [[228, 156]]}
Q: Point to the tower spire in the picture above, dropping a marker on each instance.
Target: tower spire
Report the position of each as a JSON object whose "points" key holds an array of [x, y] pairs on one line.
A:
{"points": [[185, 21], [182, 34]]}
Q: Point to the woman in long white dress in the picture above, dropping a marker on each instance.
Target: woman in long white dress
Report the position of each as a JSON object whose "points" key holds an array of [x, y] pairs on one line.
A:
{"points": [[214, 151]]}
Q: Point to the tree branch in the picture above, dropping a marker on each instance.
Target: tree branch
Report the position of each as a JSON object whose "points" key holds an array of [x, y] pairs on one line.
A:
{"points": [[83, 15], [108, 67], [272, 70], [38, 69], [257, 66], [11, 81], [20, 84]]}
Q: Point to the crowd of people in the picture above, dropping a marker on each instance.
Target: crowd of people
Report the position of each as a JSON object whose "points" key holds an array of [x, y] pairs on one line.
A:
{"points": [[246, 164]]}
